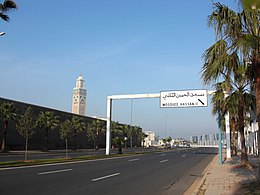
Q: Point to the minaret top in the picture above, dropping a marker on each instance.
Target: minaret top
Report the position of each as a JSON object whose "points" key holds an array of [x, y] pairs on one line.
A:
{"points": [[80, 77], [80, 81]]}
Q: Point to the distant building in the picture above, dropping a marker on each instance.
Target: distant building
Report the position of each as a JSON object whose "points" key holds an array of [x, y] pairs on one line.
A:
{"points": [[79, 97], [206, 139], [151, 139]]}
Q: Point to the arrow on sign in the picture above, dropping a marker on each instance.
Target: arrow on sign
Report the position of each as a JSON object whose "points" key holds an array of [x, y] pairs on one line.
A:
{"points": [[201, 101]]}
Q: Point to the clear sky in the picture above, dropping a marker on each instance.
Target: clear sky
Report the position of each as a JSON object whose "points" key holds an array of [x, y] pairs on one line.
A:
{"points": [[120, 47]]}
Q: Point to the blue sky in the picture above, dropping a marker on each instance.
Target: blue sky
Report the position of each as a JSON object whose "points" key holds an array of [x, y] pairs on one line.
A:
{"points": [[120, 47]]}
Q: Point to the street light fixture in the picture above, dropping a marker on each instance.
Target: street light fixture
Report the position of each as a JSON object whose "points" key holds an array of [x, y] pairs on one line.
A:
{"points": [[2, 33]]}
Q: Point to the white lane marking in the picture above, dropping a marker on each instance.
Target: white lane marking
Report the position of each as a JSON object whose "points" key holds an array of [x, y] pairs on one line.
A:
{"points": [[57, 171], [183, 155], [162, 161], [135, 159], [105, 177], [163, 154]]}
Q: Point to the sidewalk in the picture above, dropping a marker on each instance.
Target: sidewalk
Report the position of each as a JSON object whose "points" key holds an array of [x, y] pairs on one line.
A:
{"points": [[228, 178]]}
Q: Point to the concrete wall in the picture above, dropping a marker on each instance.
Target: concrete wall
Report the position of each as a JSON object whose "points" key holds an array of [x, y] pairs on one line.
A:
{"points": [[16, 142]]}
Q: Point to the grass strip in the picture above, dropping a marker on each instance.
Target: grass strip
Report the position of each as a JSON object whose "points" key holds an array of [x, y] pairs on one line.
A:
{"points": [[62, 160]]}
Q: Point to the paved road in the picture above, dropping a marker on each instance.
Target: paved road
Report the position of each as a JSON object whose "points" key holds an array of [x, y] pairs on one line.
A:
{"points": [[159, 173]]}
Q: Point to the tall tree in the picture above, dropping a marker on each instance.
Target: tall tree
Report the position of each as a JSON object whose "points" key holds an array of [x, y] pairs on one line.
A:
{"points": [[224, 105], [94, 130], [169, 139], [238, 104], [127, 133], [47, 121], [65, 130], [77, 126], [116, 131], [118, 141], [142, 137], [6, 7], [26, 127], [241, 31], [221, 63], [138, 134], [7, 113]]}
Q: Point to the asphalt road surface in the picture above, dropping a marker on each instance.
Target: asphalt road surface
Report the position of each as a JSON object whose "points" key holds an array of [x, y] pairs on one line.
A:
{"points": [[169, 172]]}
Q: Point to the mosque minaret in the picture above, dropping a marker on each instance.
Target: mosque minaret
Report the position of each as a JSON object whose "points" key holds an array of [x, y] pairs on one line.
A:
{"points": [[79, 97]]}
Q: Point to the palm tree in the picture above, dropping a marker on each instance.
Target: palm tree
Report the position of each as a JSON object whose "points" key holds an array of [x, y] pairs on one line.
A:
{"points": [[77, 126], [7, 113], [238, 104], [143, 136], [249, 5], [164, 140], [219, 63], [242, 32], [116, 132], [65, 133], [169, 139], [94, 130], [127, 133], [26, 127], [234, 120], [47, 121], [137, 132], [251, 42], [5, 7]]}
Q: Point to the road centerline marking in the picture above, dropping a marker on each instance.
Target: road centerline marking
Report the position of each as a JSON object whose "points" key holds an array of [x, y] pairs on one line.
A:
{"points": [[56, 171], [162, 161], [135, 159], [105, 177]]}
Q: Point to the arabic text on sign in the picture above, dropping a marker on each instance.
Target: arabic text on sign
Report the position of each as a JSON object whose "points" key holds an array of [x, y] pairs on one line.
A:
{"points": [[176, 95]]}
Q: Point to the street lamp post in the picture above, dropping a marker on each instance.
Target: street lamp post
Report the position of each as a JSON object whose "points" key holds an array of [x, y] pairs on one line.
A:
{"points": [[220, 138], [131, 138], [165, 125]]}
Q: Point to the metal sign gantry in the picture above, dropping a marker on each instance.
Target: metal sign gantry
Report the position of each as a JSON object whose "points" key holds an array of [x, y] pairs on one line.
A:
{"points": [[158, 95], [109, 112]]}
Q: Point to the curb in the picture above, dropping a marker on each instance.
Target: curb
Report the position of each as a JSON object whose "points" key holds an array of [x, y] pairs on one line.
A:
{"points": [[195, 186]]}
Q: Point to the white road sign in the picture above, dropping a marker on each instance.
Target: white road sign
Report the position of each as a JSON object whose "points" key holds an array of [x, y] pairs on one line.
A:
{"points": [[189, 98]]}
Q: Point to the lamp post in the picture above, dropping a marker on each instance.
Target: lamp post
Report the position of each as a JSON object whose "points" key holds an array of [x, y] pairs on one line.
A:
{"points": [[131, 138], [165, 124], [220, 138]]}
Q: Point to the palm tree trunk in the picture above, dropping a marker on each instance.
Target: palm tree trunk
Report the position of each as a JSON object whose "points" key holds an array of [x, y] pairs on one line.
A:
{"points": [[26, 149], [4, 149], [96, 140], [75, 141], [45, 148], [66, 145], [112, 138], [95, 144], [244, 157], [234, 145]]}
